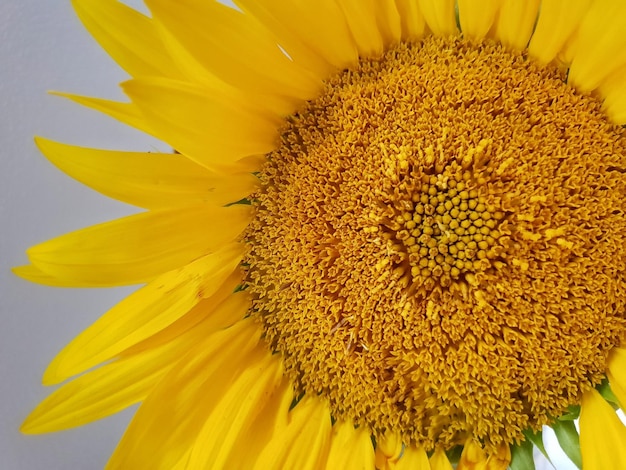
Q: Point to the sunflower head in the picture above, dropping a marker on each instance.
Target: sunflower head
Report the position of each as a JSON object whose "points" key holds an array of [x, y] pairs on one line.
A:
{"points": [[392, 235]]}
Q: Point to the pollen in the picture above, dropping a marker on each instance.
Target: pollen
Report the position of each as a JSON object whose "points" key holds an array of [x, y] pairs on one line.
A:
{"points": [[439, 244]]}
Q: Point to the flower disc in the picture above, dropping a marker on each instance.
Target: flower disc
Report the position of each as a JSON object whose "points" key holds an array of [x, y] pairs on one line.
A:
{"points": [[438, 245]]}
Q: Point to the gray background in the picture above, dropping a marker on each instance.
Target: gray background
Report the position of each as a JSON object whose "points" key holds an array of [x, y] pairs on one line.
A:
{"points": [[44, 47]]}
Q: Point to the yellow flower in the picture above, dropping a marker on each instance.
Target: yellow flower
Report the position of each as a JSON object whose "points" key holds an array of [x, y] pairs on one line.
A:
{"points": [[392, 233]]}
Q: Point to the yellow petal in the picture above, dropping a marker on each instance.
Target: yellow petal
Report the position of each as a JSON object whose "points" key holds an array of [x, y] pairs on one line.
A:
{"points": [[212, 129], [558, 19], [440, 16], [602, 434], [167, 423], [500, 460], [388, 450], [234, 46], [601, 45], [148, 311], [569, 49], [319, 25], [150, 180], [439, 461], [613, 90], [389, 22], [516, 21], [126, 113], [412, 19], [350, 449], [183, 462], [129, 37], [235, 413], [138, 248], [304, 443], [617, 374], [473, 456], [413, 458], [271, 420], [287, 36], [476, 18], [361, 18], [33, 274]]}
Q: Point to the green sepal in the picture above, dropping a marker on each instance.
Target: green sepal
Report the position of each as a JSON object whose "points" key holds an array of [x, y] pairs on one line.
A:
{"points": [[522, 456], [537, 439], [295, 401], [454, 454], [572, 413], [245, 201], [568, 438]]}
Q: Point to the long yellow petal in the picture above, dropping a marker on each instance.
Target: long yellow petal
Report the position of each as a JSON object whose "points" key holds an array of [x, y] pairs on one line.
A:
{"points": [[150, 180], [439, 16], [558, 19], [319, 25], [234, 46], [146, 312], [129, 379], [617, 374], [126, 113], [601, 46], [33, 274], [235, 413], [129, 37], [477, 18], [304, 443], [602, 434], [413, 458], [138, 248], [412, 19], [167, 423], [212, 129], [350, 449], [516, 21], [361, 18], [439, 461]]}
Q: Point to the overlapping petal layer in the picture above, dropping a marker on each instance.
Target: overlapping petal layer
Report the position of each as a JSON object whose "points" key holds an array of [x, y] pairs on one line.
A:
{"points": [[169, 420], [149, 180], [150, 310], [128, 250]]}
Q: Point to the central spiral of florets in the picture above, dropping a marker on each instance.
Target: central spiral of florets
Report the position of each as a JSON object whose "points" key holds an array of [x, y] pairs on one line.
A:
{"points": [[438, 244], [447, 228]]}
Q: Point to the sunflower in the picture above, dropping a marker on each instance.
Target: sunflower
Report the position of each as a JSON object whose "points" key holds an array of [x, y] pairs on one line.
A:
{"points": [[391, 235]]}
